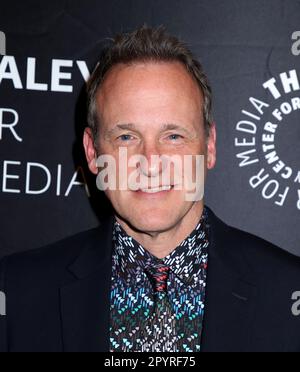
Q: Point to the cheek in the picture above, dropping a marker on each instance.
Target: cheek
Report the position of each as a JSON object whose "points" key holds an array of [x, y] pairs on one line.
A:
{"points": [[117, 199]]}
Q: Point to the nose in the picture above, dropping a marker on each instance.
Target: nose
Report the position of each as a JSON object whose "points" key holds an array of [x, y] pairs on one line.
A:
{"points": [[150, 164]]}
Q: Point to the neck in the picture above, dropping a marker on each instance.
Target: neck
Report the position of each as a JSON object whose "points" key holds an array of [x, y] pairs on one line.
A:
{"points": [[162, 243]]}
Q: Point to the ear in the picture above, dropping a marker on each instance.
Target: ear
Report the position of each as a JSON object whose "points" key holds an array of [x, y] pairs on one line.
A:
{"points": [[90, 151], [212, 147]]}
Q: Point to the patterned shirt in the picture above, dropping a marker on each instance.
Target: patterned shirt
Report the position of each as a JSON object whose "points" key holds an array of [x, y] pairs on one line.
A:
{"points": [[133, 298]]}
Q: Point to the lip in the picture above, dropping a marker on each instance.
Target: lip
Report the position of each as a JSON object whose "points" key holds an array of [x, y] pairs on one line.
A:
{"points": [[158, 194]]}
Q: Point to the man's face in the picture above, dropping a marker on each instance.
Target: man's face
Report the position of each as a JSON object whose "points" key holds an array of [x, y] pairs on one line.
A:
{"points": [[164, 107]]}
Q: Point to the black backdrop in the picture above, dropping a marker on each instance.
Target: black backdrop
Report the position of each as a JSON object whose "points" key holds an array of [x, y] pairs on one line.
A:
{"points": [[51, 46]]}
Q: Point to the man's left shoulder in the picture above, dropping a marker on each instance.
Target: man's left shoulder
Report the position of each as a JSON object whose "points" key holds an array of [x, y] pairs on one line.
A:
{"points": [[259, 255], [263, 256]]}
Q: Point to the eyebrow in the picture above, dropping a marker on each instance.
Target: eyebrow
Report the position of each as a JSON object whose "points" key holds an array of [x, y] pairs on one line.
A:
{"points": [[131, 126], [171, 126]]}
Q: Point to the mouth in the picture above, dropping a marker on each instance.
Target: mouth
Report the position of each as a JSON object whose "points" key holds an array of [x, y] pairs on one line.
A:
{"points": [[157, 191]]}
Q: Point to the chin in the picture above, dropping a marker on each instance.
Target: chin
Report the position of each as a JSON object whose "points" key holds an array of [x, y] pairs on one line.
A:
{"points": [[150, 216], [150, 227], [152, 221]]}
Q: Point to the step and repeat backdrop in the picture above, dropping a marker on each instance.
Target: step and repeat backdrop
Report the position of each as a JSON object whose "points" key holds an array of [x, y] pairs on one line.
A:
{"points": [[251, 53]]}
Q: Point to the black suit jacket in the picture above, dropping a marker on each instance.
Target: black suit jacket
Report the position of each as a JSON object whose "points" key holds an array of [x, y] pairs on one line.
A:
{"points": [[58, 296]]}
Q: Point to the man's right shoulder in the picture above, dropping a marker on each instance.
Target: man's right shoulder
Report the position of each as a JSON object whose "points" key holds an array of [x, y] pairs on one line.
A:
{"points": [[48, 261]]}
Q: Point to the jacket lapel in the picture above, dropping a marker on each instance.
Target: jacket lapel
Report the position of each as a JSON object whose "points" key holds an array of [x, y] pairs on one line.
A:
{"points": [[230, 296], [85, 303]]}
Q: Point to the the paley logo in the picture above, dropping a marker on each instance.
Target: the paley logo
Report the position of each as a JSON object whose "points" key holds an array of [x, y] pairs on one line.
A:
{"points": [[2, 43], [260, 133]]}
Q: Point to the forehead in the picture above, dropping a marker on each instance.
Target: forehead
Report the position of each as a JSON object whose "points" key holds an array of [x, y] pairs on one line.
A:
{"points": [[155, 71], [149, 87]]}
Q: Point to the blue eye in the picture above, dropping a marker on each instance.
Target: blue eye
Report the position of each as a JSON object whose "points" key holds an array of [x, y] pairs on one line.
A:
{"points": [[125, 137], [175, 136]]}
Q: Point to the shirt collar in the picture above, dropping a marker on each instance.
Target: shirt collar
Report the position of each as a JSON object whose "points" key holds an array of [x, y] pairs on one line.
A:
{"points": [[186, 261]]}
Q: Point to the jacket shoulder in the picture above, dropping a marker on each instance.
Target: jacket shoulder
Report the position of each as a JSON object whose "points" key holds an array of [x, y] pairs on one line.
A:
{"points": [[260, 255], [264, 258], [262, 250], [48, 262]]}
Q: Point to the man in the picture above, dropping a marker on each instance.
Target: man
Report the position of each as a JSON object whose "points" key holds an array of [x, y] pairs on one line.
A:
{"points": [[164, 273]]}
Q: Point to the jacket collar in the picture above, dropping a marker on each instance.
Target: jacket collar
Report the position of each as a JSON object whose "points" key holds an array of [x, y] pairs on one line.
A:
{"points": [[85, 302], [96, 252]]}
